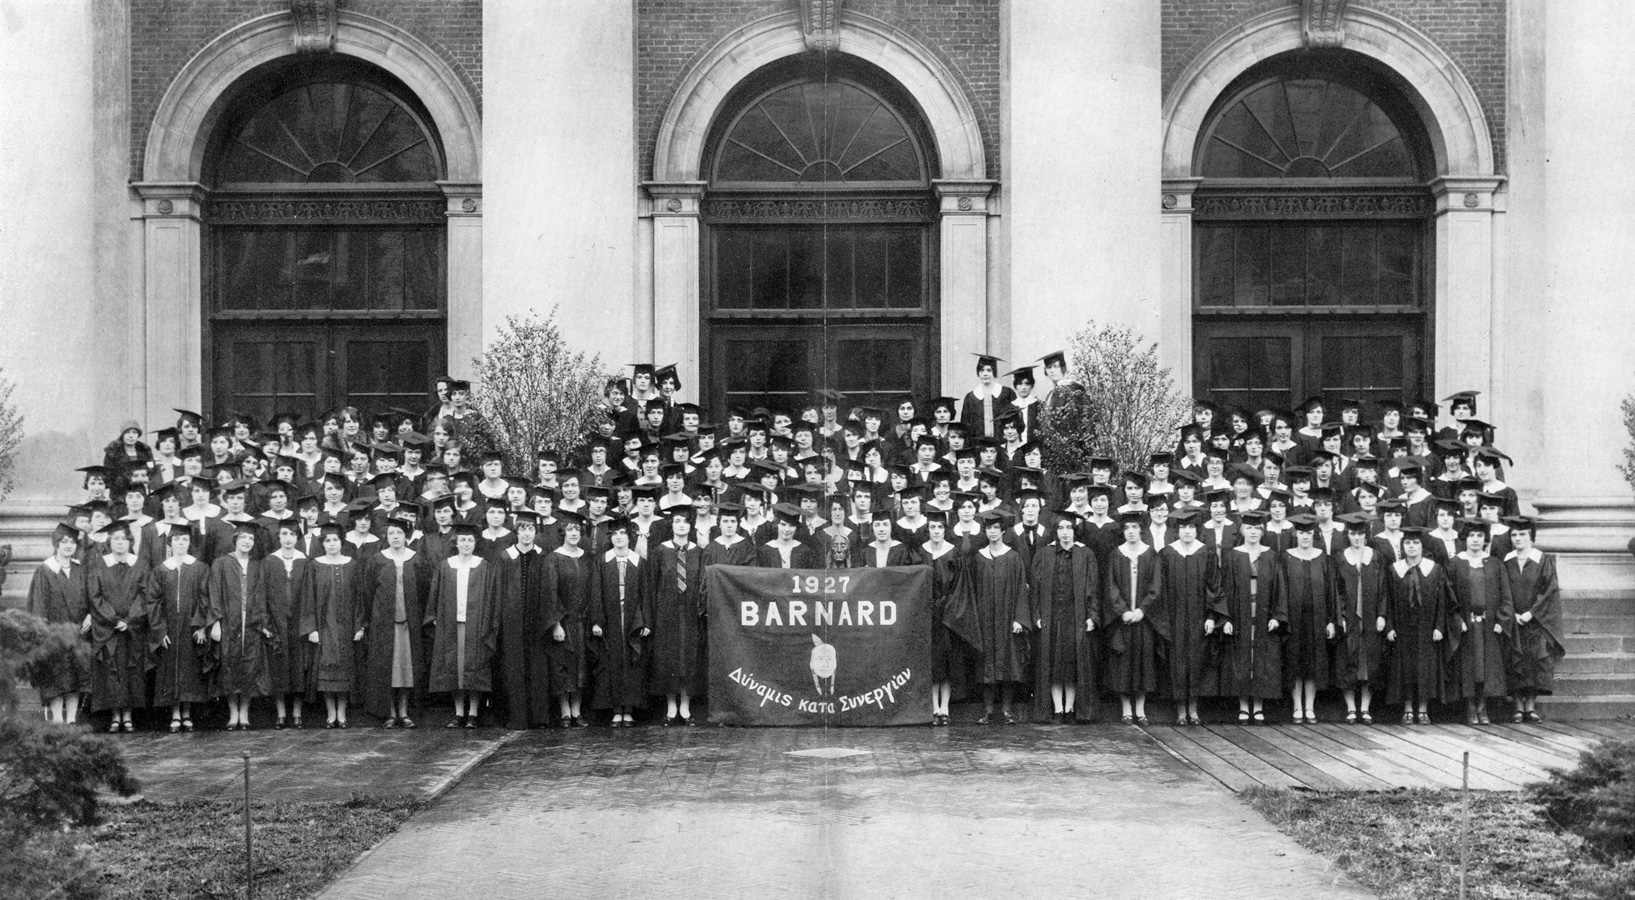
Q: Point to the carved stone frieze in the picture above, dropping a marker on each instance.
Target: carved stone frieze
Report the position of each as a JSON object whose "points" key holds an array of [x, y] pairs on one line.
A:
{"points": [[820, 22], [315, 22], [1322, 23], [360, 210], [813, 210], [1314, 206]]}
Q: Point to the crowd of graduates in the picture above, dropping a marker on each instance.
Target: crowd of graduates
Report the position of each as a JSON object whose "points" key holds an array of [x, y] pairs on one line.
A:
{"points": [[379, 559]]}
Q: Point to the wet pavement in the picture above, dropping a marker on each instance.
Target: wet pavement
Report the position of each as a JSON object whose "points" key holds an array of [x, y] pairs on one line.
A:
{"points": [[1029, 811]]}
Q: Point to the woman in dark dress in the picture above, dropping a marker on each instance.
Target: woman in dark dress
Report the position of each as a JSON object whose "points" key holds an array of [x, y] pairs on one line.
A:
{"points": [[394, 587], [1309, 586], [239, 602], [463, 608], [1536, 593], [569, 587], [179, 616], [117, 584], [1359, 660], [730, 547], [524, 672], [676, 568], [1066, 601], [1423, 628], [947, 566], [57, 594], [333, 619], [1488, 614], [1251, 612], [286, 577], [1191, 584], [1132, 618], [998, 586], [618, 622]]}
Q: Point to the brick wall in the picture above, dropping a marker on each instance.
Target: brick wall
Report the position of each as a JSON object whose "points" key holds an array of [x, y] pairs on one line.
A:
{"points": [[165, 34], [1471, 32], [672, 35]]}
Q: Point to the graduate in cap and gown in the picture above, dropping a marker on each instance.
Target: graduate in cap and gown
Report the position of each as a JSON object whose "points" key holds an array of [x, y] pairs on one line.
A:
{"points": [[1065, 587], [286, 577], [785, 551], [1359, 657], [395, 588], [995, 597], [239, 604], [463, 609], [179, 619], [569, 592], [1252, 612], [1190, 579], [676, 568], [117, 584], [982, 406], [57, 594], [333, 621], [1488, 615], [1423, 628], [1311, 624], [619, 626], [1133, 623], [947, 568], [1540, 641], [730, 547]]}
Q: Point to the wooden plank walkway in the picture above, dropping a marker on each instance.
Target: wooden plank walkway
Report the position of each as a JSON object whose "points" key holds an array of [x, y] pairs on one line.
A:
{"points": [[1332, 756]]}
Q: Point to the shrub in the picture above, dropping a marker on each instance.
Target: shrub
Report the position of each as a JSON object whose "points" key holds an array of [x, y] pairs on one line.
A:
{"points": [[49, 775], [1596, 800], [534, 392], [1628, 467], [11, 434], [1124, 404]]}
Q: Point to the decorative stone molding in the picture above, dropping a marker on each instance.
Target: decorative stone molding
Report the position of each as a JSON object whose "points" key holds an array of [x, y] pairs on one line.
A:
{"points": [[315, 24], [820, 22], [1322, 23], [178, 199], [1313, 206], [963, 197], [864, 210], [462, 200], [1466, 194], [362, 210], [1175, 197], [675, 198]]}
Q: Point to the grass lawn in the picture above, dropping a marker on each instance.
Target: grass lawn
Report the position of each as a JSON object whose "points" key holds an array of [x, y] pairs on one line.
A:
{"points": [[193, 850], [1405, 844]]}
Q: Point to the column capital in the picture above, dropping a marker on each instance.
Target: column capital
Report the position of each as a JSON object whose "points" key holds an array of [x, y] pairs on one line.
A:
{"points": [[674, 198], [964, 197], [1467, 193], [1176, 196], [465, 198], [171, 199]]}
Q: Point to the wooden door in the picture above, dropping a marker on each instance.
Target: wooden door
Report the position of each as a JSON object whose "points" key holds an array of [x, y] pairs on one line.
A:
{"points": [[1276, 363], [264, 368], [780, 367]]}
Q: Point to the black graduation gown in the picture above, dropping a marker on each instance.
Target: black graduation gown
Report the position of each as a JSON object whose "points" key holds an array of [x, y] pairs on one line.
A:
{"points": [[178, 604], [1359, 657], [741, 552], [970, 412], [524, 672], [118, 593], [1484, 602], [456, 664], [1191, 587], [997, 597], [1066, 593], [620, 666], [864, 556], [801, 557], [1310, 593], [1254, 665], [336, 609], [60, 598], [382, 643], [1540, 641], [569, 589], [1132, 648], [236, 596], [289, 655], [946, 571], [677, 661], [1420, 604]]}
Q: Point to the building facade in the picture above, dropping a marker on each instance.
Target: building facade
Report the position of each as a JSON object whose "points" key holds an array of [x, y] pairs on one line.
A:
{"points": [[266, 204]]}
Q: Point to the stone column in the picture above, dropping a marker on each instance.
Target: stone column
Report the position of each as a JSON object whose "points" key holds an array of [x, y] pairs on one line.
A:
{"points": [[1175, 330], [1464, 284], [465, 274], [1082, 175], [963, 226], [672, 321], [174, 306]]}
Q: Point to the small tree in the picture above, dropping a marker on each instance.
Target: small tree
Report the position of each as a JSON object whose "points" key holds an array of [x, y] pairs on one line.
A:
{"points": [[534, 392], [49, 775], [11, 434], [1628, 467], [1124, 404]]}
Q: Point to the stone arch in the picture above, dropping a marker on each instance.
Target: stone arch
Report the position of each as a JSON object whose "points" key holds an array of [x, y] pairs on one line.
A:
{"points": [[1461, 144], [678, 155], [191, 106]]}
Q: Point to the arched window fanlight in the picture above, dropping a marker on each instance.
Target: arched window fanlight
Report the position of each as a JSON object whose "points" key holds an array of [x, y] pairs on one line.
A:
{"points": [[332, 132], [1306, 128], [819, 133]]}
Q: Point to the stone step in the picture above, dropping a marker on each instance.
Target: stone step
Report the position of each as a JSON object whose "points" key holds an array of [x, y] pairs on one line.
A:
{"points": [[1597, 706], [1608, 663], [1577, 644], [1601, 603], [1587, 684], [1599, 624]]}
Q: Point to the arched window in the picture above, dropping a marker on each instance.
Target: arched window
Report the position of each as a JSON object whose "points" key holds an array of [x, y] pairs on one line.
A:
{"points": [[327, 254], [1311, 237], [818, 240]]}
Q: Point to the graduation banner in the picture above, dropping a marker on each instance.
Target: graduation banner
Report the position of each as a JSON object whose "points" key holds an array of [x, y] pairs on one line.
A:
{"points": [[819, 646]]}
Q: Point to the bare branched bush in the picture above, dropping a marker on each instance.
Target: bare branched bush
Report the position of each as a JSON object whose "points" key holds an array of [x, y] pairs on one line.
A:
{"points": [[11, 435], [1123, 404], [534, 392]]}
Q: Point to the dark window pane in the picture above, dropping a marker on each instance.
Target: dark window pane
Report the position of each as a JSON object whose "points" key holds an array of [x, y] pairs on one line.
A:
{"points": [[332, 133], [1252, 266], [1305, 128], [734, 268], [1365, 367], [880, 370], [1288, 267], [771, 285], [382, 373], [805, 269], [1323, 265], [1215, 278], [1399, 251], [1251, 372], [1359, 275], [840, 252], [771, 373], [819, 132], [320, 269], [905, 253]]}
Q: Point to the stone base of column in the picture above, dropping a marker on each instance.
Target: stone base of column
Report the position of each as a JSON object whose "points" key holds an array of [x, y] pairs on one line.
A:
{"points": [[1591, 538]]}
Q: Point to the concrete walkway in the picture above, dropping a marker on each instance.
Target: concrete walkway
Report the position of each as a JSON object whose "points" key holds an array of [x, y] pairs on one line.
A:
{"points": [[1029, 811]]}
